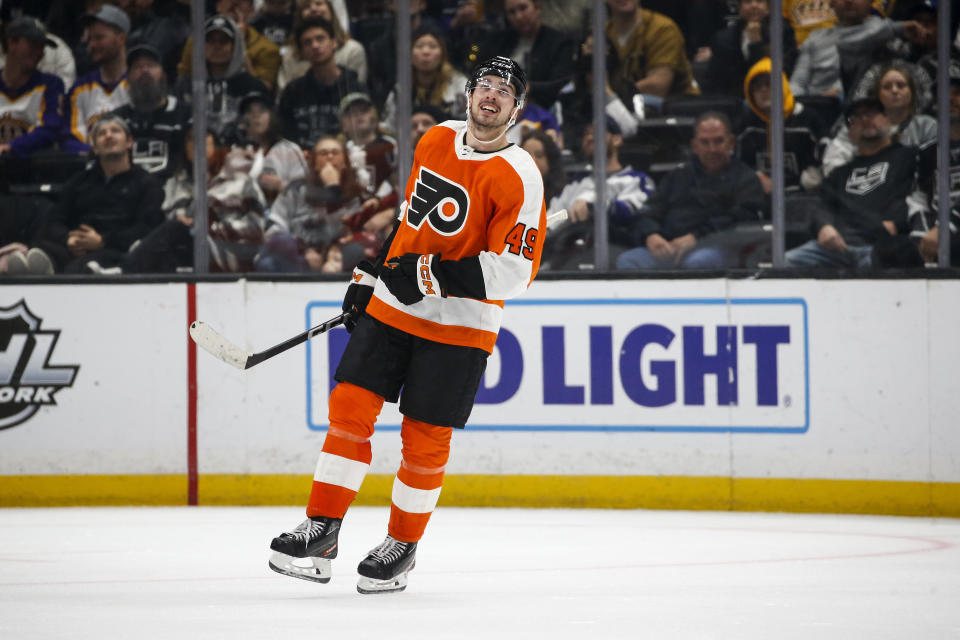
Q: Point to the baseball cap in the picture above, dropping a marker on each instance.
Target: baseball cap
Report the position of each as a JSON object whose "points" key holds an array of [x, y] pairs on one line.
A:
{"points": [[255, 96], [353, 98], [143, 49], [29, 28], [867, 103], [111, 15], [220, 23]]}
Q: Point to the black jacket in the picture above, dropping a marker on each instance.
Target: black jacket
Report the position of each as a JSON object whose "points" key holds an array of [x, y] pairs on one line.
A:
{"points": [[310, 109], [549, 65], [689, 200], [728, 66], [122, 210]]}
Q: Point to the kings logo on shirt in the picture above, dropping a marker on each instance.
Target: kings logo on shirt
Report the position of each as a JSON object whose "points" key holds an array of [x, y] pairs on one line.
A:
{"points": [[442, 203], [863, 180], [27, 379]]}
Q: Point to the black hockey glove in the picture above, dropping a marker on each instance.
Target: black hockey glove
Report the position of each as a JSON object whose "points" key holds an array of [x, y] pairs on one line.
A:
{"points": [[410, 277], [358, 293]]}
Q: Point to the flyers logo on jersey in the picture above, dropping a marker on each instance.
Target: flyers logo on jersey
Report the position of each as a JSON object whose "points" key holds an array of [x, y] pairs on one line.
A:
{"points": [[443, 204]]}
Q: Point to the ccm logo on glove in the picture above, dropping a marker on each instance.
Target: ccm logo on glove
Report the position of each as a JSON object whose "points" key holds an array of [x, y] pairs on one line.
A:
{"points": [[410, 277], [426, 276]]}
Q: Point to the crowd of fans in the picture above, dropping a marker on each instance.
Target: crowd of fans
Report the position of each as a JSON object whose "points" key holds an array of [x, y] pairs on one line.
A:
{"points": [[96, 132]]}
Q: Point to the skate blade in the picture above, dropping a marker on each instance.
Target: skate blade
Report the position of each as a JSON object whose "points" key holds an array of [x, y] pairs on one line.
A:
{"points": [[313, 569], [369, 585]]}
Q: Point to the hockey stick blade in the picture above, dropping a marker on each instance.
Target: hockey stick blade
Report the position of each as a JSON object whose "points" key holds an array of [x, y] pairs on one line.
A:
{"points": [[556, 218], [219, 347]]}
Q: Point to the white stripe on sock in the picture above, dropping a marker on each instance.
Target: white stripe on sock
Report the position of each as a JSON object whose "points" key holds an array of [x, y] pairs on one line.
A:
{"points": [[411, 500], [343, 472]]}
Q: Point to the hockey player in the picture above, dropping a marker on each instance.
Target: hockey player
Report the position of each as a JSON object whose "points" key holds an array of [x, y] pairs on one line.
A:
{"points": [[468, 236]]}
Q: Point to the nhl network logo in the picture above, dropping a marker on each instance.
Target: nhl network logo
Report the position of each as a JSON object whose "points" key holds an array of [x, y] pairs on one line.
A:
{"points": [[27, 379], [442, 203]]}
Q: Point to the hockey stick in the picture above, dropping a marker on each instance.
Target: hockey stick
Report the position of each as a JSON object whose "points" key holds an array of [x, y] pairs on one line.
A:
{"points": [[207, 338], [212, 342]]}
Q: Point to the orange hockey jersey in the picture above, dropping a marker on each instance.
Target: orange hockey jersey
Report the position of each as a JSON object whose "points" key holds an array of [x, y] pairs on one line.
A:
{"points": [[460, 203]]}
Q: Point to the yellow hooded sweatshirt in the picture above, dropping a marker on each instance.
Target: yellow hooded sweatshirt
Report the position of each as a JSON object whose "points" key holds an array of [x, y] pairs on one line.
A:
{"points": [[764, 65]]}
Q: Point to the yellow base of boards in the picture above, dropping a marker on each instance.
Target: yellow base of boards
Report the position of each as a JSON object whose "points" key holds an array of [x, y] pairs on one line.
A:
{"points": [[879, 497]]}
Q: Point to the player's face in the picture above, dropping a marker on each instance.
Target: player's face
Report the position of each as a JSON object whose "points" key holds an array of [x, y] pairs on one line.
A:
{"points": [[894, 90], [26, 52], [523, 15], [713, 145], [492, 101], [754, 10], [317, 46], [110, 138], [427, 54], [535, 148], [219, 48]]}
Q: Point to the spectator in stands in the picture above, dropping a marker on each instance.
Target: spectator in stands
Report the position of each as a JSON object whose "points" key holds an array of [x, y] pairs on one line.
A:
{"points": [[349, 53], [162, 32], [831, 60], [712, 192], [627, 191], [918, 56], [105, 208], [105, 88], [803, 134], [311, 215], [22, 221], [309, 106], [227, 79], [534, 117], [435, 81], [651, 59], [546, 155], [57, 58], [546, 55], [929, 243], [864, 203], [157, 118], [372, 153], [31, 101], [383, 51], [275, 21], [735, 49], [260, 56], [422, 118], [896, 89], [275, 161]]}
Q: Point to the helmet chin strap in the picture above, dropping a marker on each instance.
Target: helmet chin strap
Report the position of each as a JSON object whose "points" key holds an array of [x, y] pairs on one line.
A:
{"points": [[510, 123]]}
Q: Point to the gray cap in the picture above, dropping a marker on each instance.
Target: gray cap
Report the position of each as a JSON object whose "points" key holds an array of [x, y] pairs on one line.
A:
{"points": [[111, 15], [31, 29]]}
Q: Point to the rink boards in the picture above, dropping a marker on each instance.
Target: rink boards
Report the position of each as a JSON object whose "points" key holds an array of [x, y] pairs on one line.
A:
{"points": [[797, 395]]}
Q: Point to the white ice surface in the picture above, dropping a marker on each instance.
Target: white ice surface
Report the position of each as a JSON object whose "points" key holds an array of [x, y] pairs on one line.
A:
{"points": [[152, 573]]}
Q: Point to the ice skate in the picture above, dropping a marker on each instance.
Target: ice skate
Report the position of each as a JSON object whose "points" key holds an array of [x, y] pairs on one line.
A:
{"points": [[306, 551], [385, 568]]}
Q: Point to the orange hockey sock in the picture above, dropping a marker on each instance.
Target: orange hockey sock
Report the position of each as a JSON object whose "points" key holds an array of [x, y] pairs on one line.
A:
{"points": [[346, 453], [416, 488]]}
